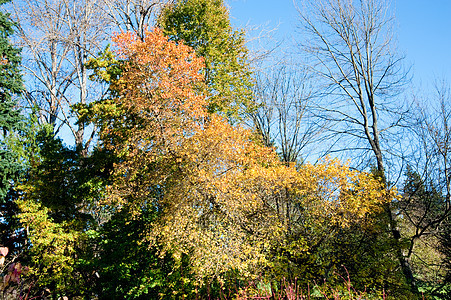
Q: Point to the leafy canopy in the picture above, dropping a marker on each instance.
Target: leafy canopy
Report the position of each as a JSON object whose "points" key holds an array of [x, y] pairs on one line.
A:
{"points": [[214, 190], [204, 25]]}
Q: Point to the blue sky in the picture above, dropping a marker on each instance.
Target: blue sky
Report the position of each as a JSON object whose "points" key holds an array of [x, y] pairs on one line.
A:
{"points": [[423, 30]]}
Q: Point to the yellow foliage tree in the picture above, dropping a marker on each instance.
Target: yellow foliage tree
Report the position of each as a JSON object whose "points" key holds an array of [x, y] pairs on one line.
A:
{"points": [[221, 198]]}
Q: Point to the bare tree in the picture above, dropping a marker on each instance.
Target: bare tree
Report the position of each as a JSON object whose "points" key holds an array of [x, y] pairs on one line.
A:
{"points": [[58, 37], [133, 15], [283, 97], [432, 127], [282, 118], [88, 27], [44, 55], [349, 44], [426, 203]]}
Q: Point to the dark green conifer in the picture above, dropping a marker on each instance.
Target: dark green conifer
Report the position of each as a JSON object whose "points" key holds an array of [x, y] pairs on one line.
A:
{"points": [[11, 85]]}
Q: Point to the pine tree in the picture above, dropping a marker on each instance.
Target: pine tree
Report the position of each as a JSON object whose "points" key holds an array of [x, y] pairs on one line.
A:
{"points": [[10, 118], [11, 122]]}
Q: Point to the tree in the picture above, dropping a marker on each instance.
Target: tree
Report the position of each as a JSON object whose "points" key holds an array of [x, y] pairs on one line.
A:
{"points": [[142, 272], [332, 220], [59, 209], [426, 204], [11, 85], [133, 15], [283, 118], [59, 37], [423, 222], [12, 125], [158, 126], [205, 26], [219, 198], [350, 46], [445, 250]]}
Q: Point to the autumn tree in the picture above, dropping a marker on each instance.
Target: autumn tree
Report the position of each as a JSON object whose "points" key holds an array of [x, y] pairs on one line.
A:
{"points": [[158, 146], [218, 197], [205, 26], [172, 189]]}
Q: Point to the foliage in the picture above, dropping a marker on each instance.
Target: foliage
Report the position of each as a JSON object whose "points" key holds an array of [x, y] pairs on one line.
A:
{"points": [[58, 205], [12, 125], [424, 223], [216, 194], [130, 267], [10, 119], [158, 121], [420, 197], [176, 201], [294, 290], [204, 25], [445, 250], [335, 219]]}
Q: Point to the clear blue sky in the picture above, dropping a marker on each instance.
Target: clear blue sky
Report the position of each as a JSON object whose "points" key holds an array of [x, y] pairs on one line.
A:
{"points": [[423, 30]]}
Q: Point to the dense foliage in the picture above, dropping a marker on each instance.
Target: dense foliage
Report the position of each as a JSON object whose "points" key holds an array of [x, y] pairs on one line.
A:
{"points": [[10, 119], [205, 26], [12, 125]]}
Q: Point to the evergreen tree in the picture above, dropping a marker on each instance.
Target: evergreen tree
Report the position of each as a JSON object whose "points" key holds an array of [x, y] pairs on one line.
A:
{"points": [[11, 122], [10, 118], [424, 225]]}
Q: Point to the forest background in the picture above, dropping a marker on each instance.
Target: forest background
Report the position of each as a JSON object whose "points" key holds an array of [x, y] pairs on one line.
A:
{"points": [[151, 150]]}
